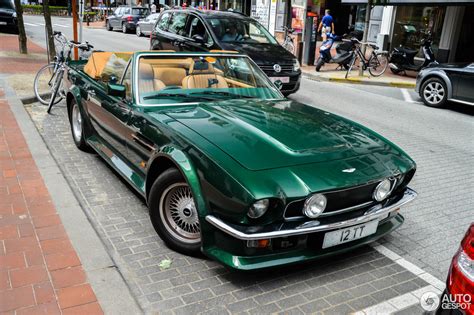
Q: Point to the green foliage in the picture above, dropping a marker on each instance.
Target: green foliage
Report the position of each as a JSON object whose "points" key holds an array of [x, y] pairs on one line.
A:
{"points": [[39, 7]]}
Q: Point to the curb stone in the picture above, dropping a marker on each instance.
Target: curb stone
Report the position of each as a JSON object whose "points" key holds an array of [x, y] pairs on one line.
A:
{"points": [[358, 81]]}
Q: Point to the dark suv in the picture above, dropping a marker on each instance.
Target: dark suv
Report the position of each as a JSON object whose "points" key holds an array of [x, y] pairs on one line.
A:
{"points": [[192, 30], [125, 18], [8, 19]]}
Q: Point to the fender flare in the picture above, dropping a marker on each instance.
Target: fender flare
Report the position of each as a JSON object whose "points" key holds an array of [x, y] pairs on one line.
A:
{"points": [[75, 93], [183, 163], [443, 76]]}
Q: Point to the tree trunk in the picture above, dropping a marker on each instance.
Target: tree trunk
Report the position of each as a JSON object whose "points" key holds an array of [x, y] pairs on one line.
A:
{"points": [[21, 28], [364, 38], [49, 30]]}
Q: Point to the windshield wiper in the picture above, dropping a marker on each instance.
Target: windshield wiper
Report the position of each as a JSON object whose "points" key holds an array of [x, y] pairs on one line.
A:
{"points": [[223, 93], [165, 95]]}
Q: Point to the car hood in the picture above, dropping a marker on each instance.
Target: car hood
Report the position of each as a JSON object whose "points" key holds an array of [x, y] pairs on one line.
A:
{"points": [[261, 134], [262, 53]]}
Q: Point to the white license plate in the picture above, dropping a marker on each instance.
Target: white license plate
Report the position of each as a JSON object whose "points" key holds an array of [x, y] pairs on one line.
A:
{"points": [[349, 234], [3, 23], [282, 79]]}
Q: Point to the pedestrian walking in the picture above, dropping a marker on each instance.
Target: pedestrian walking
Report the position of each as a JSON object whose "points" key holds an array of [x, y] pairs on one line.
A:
{"points": [[326, 25]]}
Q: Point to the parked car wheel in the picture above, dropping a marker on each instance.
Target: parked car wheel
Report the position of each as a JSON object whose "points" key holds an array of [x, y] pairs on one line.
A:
{"points": [[77, 127], [109, 27], [173, 213], [434, 93], [138, 31], [395, 71], [124, 28]]}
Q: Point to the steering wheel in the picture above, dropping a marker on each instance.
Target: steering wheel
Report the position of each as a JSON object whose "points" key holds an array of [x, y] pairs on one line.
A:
{"points": [[171, 87]]}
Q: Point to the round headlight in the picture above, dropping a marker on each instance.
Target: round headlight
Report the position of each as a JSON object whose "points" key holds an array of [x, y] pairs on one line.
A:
{"points": [[296, 65], [382, 190], [258, 208], [314, 206]]}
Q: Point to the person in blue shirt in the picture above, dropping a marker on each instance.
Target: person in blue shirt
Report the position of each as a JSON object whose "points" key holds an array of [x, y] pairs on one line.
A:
{"points": [[326, 25]]}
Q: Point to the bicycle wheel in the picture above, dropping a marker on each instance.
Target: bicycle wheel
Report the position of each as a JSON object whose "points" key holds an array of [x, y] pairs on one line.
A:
{"points": [[43, 84], [351, 64], [378, 64], [55, 92]]}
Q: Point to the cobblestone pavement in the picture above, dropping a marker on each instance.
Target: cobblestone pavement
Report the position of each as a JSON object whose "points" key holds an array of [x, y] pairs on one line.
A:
{"points": [[442, 144], [191, 285]]}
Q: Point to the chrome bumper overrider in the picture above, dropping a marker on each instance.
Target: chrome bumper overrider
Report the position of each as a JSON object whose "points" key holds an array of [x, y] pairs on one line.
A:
{"points": [[314, 226]]}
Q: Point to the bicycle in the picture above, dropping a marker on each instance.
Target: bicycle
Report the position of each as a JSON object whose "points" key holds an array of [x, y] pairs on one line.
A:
{"points": [[48, 80], [288, 43], [377, 62]]}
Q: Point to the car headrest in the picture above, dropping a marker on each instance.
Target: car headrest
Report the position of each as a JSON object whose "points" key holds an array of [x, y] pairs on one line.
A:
{"points": [[201, 67], [146, 71]]}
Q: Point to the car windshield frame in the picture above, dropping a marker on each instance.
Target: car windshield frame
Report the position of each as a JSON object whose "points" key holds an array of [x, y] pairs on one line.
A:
{"points": [[269, 38], [137, 96]]}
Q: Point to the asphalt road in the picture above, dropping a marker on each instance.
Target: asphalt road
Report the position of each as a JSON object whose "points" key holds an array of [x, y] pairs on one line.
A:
{"points": [[439, 140]]}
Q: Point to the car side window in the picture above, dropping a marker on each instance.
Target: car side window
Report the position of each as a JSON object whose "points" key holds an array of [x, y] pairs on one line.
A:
{"points": [[178, 23], [196, 27], [163, 22], [126, 11]]}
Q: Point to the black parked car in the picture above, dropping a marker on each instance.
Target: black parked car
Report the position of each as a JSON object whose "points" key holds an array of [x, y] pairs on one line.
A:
{"points": [[8, 19], [439, 83], [192, 30], [146, 25], [125, 18]]}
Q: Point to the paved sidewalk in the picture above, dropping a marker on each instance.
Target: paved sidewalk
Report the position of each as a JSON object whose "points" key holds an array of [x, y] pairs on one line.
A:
{"points": [[40, 271]]}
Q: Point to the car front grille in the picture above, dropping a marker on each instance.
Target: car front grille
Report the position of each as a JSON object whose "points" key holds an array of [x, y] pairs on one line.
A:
{"points": [[339, 201], [268, 68]]}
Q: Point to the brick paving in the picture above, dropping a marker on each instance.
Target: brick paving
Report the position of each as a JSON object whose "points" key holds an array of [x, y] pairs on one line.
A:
{"points": [[19, 63], [39, 269], [340, 285]]}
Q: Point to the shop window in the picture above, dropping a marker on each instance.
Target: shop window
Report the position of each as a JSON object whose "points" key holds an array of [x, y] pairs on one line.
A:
{"points": [[412, 23]]}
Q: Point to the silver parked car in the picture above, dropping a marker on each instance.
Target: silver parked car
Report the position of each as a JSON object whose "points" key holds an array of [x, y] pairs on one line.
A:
{"points": [[145, 26]]}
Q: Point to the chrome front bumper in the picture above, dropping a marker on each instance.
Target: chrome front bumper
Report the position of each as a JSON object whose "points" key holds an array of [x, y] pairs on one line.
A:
{"points": [[376, 212]]}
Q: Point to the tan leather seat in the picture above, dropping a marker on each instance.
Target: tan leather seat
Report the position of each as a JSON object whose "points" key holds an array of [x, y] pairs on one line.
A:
{"points": [[202, 76], [170, 75], [146, 79]]}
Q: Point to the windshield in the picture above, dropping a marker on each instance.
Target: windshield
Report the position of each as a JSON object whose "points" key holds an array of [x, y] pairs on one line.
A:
{"points": [[191, 79], [7, 4], [233, 30], [140, 12]]}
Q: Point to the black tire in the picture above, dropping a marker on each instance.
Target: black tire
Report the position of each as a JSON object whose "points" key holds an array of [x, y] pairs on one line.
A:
{"points": [[286, 94], [41, 89], [434, 93], [79, 140], [319, 64], [109, 27], [378, 63], [124, 28], [157, 201]]}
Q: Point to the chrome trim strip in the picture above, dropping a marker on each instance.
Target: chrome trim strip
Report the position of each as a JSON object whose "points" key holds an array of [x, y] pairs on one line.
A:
{"points": [[461, 101], [313, 226]]}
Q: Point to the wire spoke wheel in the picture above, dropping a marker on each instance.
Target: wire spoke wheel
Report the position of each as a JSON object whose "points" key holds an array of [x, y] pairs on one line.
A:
{"points": [[179, 214], [378, 64], [44, 84]]}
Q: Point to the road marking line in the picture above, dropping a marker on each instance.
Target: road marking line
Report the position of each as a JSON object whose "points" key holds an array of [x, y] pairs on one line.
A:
{"points": [[30, 24], [406, 96], [435, 282], [398, 303], [61, 25]]}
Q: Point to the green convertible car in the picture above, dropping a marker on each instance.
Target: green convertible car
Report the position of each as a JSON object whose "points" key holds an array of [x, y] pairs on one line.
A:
{"points": [[228, 166]]}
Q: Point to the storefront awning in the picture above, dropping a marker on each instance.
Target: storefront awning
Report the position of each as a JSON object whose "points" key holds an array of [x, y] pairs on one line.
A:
{"points": [[411, 2]]}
